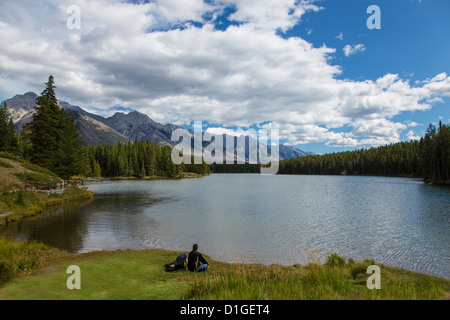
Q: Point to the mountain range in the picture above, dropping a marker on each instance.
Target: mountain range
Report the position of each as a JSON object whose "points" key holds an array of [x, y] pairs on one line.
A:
{"points": [[96, 129]]}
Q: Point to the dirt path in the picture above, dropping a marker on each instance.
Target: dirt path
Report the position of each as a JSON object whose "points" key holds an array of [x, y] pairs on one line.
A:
{"points": [[8, 179]]}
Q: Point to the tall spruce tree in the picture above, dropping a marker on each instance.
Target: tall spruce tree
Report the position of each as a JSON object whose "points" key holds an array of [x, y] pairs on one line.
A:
{"points": [[45, 129], [70, 157], [56, 143]]}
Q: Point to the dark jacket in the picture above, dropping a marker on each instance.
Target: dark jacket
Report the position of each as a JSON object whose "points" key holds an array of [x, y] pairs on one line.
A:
{"points": [[177, 264], [195, 259]]}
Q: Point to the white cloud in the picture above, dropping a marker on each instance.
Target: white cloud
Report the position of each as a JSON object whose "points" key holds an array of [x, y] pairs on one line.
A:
{"points": [[377, 128], [340, 36], [269, 14], [242, 76], [350, 50], [410, 123], [440, 77], [411, 136], [434, 100], [220, 131]]}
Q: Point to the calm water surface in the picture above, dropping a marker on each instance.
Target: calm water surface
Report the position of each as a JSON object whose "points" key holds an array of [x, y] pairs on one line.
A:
{"points": [[269, 219]]}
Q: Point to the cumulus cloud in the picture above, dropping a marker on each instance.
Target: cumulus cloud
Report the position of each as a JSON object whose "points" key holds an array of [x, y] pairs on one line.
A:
{"points": [[269, 14], [351, 50], [410, 123], [411, 135], [169, 61]]}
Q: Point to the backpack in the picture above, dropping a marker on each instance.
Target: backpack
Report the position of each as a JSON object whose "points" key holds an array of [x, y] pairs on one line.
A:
{"points": [[177, 264]]}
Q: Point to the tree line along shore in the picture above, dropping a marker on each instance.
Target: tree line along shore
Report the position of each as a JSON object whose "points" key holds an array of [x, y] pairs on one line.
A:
{"points": [[50, 149], [52, 141], [427, 158]]}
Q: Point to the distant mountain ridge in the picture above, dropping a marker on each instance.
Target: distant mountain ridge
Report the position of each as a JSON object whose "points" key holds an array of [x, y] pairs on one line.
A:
{"points": [[138, 126], [96, 129], [22, 108]]}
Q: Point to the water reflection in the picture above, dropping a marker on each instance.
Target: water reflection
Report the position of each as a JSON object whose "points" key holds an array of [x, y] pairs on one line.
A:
{"points": [[63, 228], [268, 219]]}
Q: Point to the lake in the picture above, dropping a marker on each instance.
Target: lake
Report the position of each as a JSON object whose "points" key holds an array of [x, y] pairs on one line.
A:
{"points": [[268, 219]]}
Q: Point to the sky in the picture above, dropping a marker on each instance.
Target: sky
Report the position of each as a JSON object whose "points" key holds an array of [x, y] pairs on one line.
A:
{"points": [[314, 70]]}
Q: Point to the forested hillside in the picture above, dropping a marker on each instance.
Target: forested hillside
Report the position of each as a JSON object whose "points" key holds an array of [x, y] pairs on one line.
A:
{"points": [[137, 159], [52, 141], [428, 158]]}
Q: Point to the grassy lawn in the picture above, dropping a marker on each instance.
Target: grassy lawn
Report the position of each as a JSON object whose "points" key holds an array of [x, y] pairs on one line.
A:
{"points": [[117, 275], [136, 275]]}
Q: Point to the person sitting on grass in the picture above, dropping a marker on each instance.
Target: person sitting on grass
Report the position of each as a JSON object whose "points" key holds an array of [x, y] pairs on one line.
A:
{"points": [[177, 264], [196, 262]]}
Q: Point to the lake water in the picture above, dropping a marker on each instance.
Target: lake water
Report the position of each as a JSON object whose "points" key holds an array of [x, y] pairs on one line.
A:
{"points": [[268, 219]]}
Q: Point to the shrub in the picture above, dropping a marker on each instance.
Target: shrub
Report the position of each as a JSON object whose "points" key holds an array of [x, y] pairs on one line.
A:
{"points": [[19, 201], [5, 164], [33, 176], [334, 260], [22, 257]]}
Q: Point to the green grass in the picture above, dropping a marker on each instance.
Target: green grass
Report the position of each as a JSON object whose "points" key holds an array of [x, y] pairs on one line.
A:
{"points": [[35, 176], [137, 275], [117, 275], [5, 164], [17, 203], [21, 258], [329, 281], [39, 173], [22, 204], [38, 169], [7, 155]]}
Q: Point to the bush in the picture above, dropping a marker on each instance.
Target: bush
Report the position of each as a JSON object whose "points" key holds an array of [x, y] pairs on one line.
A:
{"points": [[38, 169], [5, 164], [5, 271], [7, 155], [34, 176], [19, 201], [334, 260], [22, 257], [359, 269]]}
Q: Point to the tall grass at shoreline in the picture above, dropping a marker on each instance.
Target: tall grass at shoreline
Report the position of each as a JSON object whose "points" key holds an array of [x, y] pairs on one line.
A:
{"points": [[23, 258], [335, 279], [140, 275]]}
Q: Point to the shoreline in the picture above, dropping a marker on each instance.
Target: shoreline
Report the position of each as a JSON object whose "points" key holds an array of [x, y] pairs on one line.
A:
{"points": [[54, 203], [46, 201], [185, 175], [334, 278], [243, 260], [39, 203]]}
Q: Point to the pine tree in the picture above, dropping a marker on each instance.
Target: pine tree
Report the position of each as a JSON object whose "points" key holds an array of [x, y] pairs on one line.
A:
{"points": [[8, 138], [4, 115], [13, 144], [142, 170], [70, 157], [45, 129], [24, 142], [97, 170], [56, 142]]}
